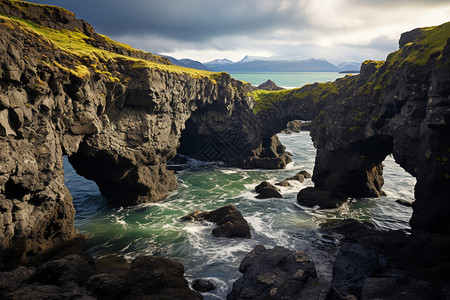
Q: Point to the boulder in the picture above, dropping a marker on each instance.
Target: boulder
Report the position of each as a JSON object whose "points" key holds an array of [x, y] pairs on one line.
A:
{"points": [[149, 277], [305, 174], [203, 285], [71, 268], [405, 202], [311, 197], [283, 183], [277, 273], [267, 190], [230, 221], [299, 177]]}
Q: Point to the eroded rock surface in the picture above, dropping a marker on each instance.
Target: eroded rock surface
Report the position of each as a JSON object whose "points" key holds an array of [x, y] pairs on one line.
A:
{"points": [[230, 221], [74, 277], [277, 273]]}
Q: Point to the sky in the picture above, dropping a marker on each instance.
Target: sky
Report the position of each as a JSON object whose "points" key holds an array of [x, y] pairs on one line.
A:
{"points": [[203, 30]]}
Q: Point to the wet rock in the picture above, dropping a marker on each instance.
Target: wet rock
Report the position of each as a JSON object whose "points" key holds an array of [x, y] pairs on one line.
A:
{"points": [[12, 280], [311, 197], [405, 202], [277, 273], [148, 277], [203, 285], [299, 177], [284, 183], [305, 174], [393, 289], [35, 291], [72, 268], [267, 190], [372, 263], [230, 221], [354, 264]]}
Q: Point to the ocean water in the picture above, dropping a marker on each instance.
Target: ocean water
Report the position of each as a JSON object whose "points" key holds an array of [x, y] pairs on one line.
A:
{"points": [[286, 79], [156, 229]]}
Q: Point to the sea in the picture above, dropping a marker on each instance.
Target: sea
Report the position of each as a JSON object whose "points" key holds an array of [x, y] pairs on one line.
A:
{"points": [[118, 235]]}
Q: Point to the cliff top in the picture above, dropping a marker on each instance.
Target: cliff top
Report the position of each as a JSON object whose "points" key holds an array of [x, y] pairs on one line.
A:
{"points": [[76, 37], [419, 48]]}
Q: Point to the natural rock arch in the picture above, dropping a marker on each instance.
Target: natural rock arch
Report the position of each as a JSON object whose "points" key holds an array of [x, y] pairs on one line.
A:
{"points": [[119, 114]]}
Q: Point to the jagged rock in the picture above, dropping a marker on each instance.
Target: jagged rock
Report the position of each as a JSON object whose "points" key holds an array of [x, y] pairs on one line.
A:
{"points": [[12, 280], [299, 177], [277, 273], [372, 262], [267, 190], [72, 277], [35, 291], [230, 221], [269, 85], [203, 285], [305, 174], [283, 183], [311, 197], [392, 289], [354, 264], [69, 269], [149, 276], [136, 117]]}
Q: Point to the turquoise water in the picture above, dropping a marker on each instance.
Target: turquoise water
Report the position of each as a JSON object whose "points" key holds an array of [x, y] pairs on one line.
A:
{"points": [[286, 79], [156, 229]]}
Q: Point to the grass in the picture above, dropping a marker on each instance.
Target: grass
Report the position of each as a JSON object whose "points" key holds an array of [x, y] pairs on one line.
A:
{"points": [[75, 43], [426, 50], [316, 92]]}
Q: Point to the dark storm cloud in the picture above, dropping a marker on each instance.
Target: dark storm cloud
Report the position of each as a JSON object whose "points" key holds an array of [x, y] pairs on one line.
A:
{"points": [[194, 20], [208, 29]]}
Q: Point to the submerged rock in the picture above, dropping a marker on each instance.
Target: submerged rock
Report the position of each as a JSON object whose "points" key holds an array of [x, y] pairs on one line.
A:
{"points": [[230, 221], [405, 202], [203, 285], [267, 190], [283, 183], [311, 197], [299, 177], [277, 273]]}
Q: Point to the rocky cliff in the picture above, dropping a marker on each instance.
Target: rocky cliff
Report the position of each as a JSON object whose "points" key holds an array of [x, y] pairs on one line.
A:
{"points": [[122, 114], [399, 106], [117, 112]]}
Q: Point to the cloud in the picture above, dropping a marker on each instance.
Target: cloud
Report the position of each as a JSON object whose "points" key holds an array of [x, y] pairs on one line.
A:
{"points": [[284, 27]]}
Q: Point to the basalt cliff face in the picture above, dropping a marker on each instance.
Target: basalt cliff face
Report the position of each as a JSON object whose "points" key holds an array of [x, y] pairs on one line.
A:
{"points": [[400, 106], [121, 115], [118, 113]]}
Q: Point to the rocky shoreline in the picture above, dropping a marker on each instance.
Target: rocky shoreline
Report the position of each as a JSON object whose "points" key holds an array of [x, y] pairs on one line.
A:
{"points": [[121, 115]]}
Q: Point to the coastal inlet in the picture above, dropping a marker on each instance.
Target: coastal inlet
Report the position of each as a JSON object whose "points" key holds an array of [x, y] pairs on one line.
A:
{"points": [[125, 233]]}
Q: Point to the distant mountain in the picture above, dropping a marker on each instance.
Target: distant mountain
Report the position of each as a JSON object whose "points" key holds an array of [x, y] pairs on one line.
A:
{"points": [[349, 66], [272, 64], [218, 63], [188, 63], [173, 60]]}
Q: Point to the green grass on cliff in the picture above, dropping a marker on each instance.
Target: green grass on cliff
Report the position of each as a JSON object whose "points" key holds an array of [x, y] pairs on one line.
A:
{"points": [[317, 91], [425, 50], [75, 44]]}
